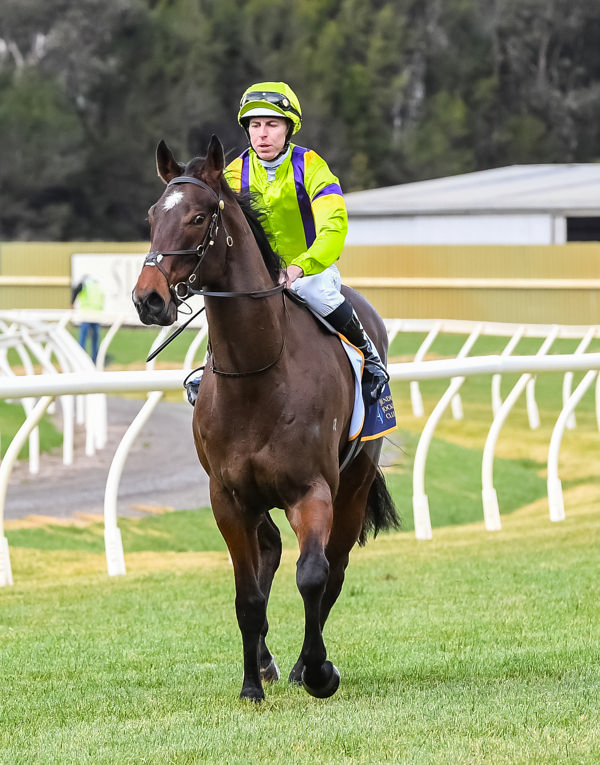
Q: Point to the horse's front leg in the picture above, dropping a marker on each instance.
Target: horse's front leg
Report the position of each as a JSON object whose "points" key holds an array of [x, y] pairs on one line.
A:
{"points": [[239, 531], [269, 542], [311, 519]]}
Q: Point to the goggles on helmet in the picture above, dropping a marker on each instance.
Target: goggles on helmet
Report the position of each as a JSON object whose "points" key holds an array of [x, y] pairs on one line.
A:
{"points": [[277, 99]]}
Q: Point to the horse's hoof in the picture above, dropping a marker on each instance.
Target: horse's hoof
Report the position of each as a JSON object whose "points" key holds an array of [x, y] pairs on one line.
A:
{"points": [[295, 677], [255, 696], [330, 686], [270, 673]]}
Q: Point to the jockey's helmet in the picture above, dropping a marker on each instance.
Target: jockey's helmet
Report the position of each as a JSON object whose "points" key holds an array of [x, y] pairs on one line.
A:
{"points": [[270, 99]]}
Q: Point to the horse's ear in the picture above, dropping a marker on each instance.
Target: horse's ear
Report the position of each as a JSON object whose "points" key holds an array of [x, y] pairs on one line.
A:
{"points": [[166, 164], [214, 163]]}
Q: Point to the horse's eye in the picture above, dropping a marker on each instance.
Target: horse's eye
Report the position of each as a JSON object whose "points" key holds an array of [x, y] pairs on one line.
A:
{"points": [[198, 219]]}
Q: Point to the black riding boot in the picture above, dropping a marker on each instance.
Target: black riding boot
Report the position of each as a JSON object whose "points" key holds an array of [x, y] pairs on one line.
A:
{"points": [[191, 388], [192, 385], [347, 323]]}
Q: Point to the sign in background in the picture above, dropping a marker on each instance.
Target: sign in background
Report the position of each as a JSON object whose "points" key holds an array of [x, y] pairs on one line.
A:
{"points": [[117, 274]]}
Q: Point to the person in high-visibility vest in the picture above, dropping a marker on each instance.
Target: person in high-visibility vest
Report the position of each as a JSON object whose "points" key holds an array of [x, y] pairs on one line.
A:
{"points": [[90, 297]]}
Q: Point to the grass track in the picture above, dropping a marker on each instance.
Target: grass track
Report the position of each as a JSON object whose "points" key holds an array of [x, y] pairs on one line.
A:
{"points": [[471, 648]]}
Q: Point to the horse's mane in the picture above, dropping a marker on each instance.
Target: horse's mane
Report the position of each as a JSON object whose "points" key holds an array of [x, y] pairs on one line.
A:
{"points": [[272, 260]]}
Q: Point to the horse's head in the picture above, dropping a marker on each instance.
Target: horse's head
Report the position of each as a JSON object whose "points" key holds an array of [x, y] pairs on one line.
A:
{"points": [[183, 225]]}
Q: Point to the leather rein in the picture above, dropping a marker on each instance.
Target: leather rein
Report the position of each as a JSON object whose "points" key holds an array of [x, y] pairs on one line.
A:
{"points": [[185, 289]]}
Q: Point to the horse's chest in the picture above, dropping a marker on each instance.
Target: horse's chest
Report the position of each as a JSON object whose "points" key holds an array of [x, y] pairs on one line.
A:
{"points": [[241, 446], [262, 453]]}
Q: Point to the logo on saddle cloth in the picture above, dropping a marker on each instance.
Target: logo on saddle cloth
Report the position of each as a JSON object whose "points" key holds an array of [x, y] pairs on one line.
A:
{"points": [[376, 419], [380, 417]]}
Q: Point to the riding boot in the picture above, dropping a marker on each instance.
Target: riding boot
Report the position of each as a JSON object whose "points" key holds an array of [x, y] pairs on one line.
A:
{"points": [[191, 388], [375, 375]]}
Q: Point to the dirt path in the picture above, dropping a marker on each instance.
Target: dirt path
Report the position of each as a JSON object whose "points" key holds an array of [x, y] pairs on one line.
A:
{"points": [[162, 470]]}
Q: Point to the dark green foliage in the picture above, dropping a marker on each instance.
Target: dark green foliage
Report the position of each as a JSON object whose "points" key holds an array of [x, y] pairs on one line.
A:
{"points": [[391, 92]]}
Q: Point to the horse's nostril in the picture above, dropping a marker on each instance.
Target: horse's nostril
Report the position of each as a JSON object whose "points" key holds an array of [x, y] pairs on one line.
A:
{"points": [[154, 302]]}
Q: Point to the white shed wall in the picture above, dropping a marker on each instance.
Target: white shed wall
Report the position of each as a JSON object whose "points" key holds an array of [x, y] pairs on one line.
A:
{"points": [[457, 229]]}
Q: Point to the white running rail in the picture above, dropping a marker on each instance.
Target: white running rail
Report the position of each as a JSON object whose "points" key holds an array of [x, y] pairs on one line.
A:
{"points": [[89, 383]]}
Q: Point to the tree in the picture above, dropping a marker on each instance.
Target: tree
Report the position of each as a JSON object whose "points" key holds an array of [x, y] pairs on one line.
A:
{"points": [[391, 90]]}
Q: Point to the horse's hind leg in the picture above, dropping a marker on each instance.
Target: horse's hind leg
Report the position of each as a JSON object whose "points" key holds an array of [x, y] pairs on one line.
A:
{"points": [[349, 512], [269, 542]]}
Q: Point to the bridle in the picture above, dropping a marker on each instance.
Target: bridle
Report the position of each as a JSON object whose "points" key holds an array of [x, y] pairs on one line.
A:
{"points": [[185, 289]]}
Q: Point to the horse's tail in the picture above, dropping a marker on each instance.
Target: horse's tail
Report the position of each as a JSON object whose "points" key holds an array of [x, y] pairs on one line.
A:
{"points": [[381, 513]]}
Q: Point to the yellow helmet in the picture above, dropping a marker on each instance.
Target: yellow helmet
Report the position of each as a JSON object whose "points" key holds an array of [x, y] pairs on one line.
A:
{"points": [[270, 99]]}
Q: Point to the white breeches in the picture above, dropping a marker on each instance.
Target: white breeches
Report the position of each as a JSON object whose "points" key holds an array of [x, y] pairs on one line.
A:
{"points": [[321, 291]]}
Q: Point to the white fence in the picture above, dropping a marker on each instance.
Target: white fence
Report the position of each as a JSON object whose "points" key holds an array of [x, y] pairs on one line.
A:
{"points": [[463, 366], [47, 338]]}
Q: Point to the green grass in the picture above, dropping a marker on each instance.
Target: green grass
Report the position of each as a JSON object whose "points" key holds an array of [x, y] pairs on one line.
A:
{"points": [[407, 343], [132, 345], [453, 483], [182, 531], [471, 648], [12, 417]]}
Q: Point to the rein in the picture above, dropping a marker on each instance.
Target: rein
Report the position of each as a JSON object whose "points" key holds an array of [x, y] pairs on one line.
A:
{"points": [[183, 290]]}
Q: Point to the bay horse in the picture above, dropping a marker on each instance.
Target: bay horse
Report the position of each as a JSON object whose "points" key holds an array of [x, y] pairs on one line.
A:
{"points": [[272, 414]]}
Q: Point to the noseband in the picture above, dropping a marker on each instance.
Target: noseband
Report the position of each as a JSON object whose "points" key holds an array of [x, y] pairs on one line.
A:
{"points": [[183, 290]]}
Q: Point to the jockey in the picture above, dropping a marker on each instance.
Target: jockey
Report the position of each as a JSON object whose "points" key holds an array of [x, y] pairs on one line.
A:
{"points": [[304, 214]]}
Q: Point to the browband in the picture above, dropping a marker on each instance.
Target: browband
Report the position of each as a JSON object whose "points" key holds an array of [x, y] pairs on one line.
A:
{"points": [[195, 181]]}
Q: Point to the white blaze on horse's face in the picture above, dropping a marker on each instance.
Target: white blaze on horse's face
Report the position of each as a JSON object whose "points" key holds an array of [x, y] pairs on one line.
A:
{"points": [[173, 199]]}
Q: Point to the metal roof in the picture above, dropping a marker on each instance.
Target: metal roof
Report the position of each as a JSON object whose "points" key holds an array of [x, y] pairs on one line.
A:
{"points": [[570, 189]]}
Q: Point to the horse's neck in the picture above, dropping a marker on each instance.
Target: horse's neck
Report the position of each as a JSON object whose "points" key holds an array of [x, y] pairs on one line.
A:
{"points": [[246, 333]]}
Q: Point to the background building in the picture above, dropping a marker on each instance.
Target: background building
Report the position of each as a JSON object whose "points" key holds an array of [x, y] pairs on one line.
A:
{"points": [[522, 204], [516, 244]]}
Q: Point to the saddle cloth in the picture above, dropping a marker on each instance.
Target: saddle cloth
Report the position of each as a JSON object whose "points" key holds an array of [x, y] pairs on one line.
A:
{"points": [[376, 419]]}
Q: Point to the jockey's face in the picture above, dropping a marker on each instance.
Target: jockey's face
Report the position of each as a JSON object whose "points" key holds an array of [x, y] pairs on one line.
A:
{"points": [[267, 136]]}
